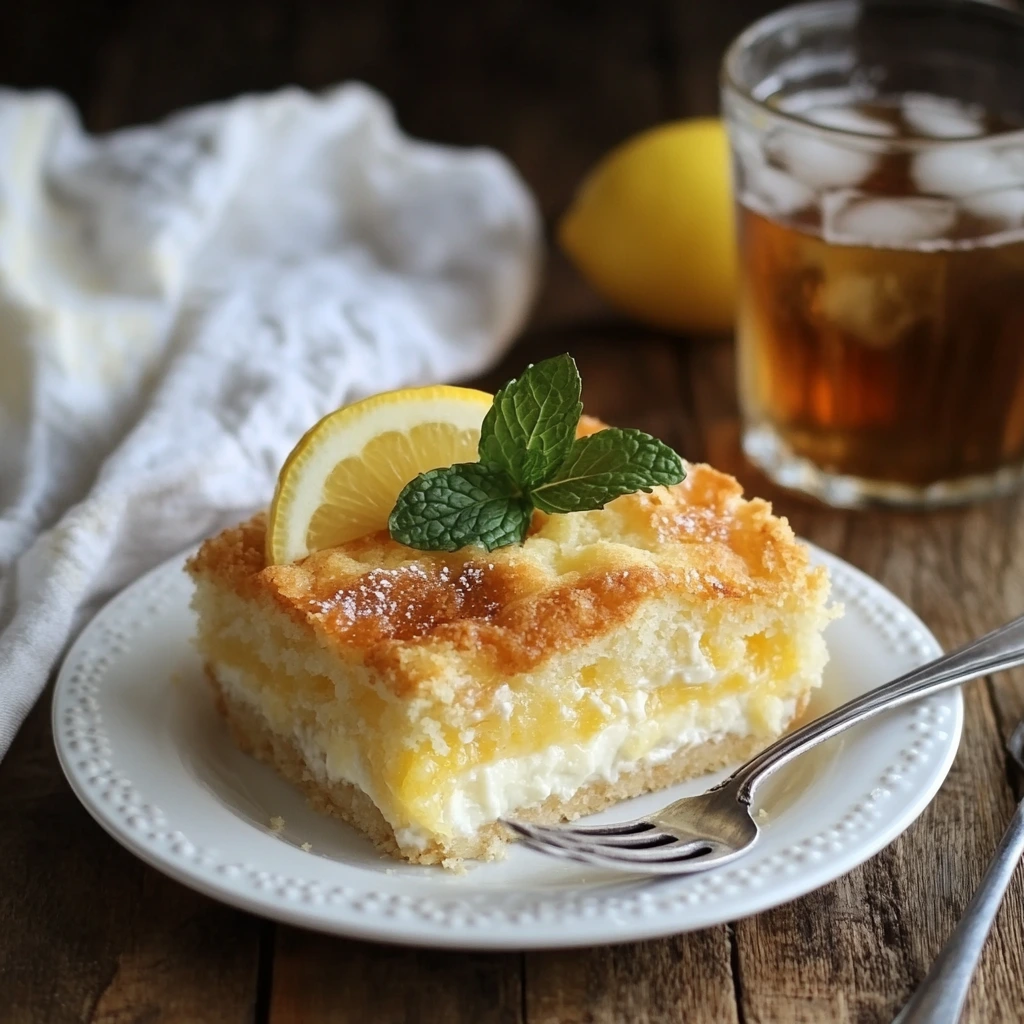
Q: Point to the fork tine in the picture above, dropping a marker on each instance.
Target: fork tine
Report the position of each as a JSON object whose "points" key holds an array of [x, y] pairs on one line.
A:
{"points": [[678, 865], [565, 840], [621, 828], [630, 840], [689, 848], [555, 851]]}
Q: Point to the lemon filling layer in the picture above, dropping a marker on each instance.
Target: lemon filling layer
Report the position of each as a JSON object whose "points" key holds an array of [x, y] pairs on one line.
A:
{"points": [[493, 791], [466, 800], [441, 765]]}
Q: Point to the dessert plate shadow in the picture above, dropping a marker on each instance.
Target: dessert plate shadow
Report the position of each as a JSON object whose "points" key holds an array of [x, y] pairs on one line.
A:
{"points": [[146, 753]]}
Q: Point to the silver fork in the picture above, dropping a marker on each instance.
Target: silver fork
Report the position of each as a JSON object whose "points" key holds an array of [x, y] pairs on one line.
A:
{"points": [[701, 832], [943, 993]]}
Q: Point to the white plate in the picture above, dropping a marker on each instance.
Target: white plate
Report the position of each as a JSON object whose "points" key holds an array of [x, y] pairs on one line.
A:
{"points": [[147, 755]]}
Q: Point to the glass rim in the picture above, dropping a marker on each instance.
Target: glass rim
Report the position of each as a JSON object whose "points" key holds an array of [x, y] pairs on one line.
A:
{"points": [[816, 10]]}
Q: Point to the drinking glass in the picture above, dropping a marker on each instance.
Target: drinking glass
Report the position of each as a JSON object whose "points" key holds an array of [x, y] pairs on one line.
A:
{"points": [[878, 157]]}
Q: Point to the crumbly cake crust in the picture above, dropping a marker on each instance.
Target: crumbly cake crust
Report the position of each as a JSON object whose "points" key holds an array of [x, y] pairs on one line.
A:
{"points": [[349, 803], [375, 602]]}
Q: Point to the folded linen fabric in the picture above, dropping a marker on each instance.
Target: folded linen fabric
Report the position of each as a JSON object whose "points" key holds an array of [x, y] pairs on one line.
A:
{"points": [[179, 302]]}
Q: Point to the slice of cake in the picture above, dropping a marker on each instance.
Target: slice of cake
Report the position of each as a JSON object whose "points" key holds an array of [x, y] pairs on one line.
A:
{"points": [[423, 696]]}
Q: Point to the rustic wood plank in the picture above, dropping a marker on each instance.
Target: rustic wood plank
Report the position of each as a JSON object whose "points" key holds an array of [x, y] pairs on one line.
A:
{"points": [[358, 40], [552, 86], [855, 949], [332, 981], [53, 44], [681, 980], [514, 76], [697, 37], [159, 57], [89, 933]]}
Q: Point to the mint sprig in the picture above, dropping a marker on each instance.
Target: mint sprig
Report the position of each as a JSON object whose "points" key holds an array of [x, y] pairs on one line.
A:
{"points": [[469, 503], [531, 426], [530, 458], [605, 466]]}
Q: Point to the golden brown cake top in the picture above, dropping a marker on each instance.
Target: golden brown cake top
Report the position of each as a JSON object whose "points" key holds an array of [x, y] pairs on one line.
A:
{"points": [[575, 577]]}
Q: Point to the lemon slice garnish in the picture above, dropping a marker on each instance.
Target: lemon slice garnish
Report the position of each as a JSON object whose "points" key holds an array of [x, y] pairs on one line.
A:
{"points": [[342, 479]]}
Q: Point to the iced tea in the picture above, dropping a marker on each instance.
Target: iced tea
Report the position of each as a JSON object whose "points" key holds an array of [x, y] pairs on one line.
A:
{"points": [[882, 329], [881, 323]]}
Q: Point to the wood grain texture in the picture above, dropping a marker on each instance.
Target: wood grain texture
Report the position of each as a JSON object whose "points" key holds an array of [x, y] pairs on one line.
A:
{"points": [[670, 981], [339, 982], [87, 933]]}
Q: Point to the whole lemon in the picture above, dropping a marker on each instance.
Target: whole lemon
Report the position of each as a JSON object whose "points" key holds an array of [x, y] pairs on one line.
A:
{"points": [[651, 227]]}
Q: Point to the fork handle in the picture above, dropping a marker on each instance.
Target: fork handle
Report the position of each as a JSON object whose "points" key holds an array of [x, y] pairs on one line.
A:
{"points": [[1001, 649], [941, 996]]}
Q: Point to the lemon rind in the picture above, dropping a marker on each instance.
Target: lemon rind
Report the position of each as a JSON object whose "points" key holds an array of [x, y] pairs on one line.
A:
{"points": [[345, 433]]}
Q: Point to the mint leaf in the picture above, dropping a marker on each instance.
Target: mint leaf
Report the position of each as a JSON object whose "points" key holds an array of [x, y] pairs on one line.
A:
{"points": [[531, 426], [529, 458], [470, 503], [605, 466]]}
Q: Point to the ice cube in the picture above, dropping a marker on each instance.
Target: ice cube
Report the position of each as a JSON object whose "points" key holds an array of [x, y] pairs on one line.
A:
{"points": [[773, 192], [819, 161], [747, 147], [879, 310], [937, 117], [853, 218], [963, 170], [764, 188], [1004, 207], [747, 144], [848, 119]]}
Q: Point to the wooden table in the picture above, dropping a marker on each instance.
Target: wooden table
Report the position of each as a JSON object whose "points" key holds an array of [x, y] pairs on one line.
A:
{"points": [[88, 933]]}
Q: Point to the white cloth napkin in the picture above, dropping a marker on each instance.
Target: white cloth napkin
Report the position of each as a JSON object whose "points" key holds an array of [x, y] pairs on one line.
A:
{"points": [[179, 302]]}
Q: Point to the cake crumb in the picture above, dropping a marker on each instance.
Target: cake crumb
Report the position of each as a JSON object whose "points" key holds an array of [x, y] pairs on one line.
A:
{"points": [[306, 847], [390, 871], [277, 823], [762, 814], [454, 865]]}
